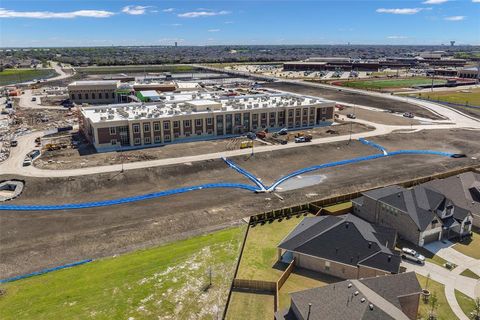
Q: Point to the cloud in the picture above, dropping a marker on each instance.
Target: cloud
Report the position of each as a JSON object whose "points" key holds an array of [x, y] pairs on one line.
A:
{"points": [[168, 10], [213, 30], [434, 1], [176, 24], [135, 10], [4, 13], [397, 37], [197, 14], [476, 1], [400, 11], [455, 18]]}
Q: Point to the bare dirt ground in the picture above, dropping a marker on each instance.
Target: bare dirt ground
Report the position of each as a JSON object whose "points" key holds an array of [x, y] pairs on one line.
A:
{"points": [[30, 241], [85, 155], [355, 98], [378, 117]]}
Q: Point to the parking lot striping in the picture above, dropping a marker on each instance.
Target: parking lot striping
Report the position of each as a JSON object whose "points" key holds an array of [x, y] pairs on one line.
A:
{"points": [[259, 189], [37, 273]]}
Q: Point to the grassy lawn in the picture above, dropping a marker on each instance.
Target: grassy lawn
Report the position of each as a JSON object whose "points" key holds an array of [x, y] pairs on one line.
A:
{"points": [[466, 303], [429, 256], [443, 310], [470, 247], [469, 273], [302, 279], [135, 69], [339, 207], [245, 305], [389, 83], [168, 280], [12, 76], [470, 96], [260, 252]]}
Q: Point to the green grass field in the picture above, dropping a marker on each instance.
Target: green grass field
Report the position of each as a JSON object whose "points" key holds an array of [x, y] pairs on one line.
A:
{"points": [[260, 252], [389, 83], [166, 281], [12, 76], [339, 206], [471, 247], [470, 274], [443, 311], [246, 305], [135, 69], [466, 303], [467, 97]]}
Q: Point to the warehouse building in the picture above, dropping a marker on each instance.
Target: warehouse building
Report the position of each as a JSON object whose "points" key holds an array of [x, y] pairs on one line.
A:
{"points": [[469, 73], [199, 116]]}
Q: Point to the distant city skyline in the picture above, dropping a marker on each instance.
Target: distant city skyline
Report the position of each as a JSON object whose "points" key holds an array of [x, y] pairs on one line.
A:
{"points": [[25, 23]]}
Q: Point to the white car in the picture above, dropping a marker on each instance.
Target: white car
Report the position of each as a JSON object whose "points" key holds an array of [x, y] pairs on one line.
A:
{"points": [[412, 255]]}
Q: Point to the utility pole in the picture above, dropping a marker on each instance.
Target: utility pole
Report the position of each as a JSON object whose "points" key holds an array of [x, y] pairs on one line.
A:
{"points": [[309, 311]]}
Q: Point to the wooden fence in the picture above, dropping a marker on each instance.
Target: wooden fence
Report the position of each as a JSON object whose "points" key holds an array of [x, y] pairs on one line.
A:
{"points": [[255, 285]]}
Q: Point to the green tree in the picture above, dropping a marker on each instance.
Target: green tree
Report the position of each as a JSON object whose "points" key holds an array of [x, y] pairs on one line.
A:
{"points": [[475, 314]]}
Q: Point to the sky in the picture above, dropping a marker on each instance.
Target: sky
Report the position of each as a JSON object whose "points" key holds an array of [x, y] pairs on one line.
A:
{"points": [[25, 23]]}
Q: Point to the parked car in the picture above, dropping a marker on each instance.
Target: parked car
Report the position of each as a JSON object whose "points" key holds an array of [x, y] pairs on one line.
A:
{"points": [[13, 143], [34, 98], [459, 155], [283, 131], [412, 255], [408, 115], [27, 162], [351, 116], [302, 139], [34, 153]]}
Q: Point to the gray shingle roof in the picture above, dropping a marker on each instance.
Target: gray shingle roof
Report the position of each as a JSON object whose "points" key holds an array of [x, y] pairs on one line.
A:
{"points": [[338, 301], [346, 239], [420, 203]]}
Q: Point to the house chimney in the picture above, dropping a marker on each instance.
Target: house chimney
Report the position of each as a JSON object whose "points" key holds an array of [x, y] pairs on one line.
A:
{"points": [[389, 258], [369, 245]]}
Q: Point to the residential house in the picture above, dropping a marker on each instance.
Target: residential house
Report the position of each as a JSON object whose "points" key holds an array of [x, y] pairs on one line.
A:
{"points": [[342, 246], [420, 215], [463, 190], [380, 298]]}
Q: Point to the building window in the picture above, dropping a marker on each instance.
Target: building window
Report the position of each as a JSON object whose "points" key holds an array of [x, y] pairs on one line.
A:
{"points": [[324, 111], [297, 113], [113, 95], [79, 96], [136, 128], [86, 96], [157, 139], [187, 123], [264, 116], [113, 142], [176, 124], [136, 141], [100, 96], [199, 133], [167, 137], [147, 140], [272, 115], [166, 126], [93, 95], [176, 135], [290, 113], [209, 121], [209, 131], [281, 114], [305, 112], [327, 265], [255, 117], [198, 122], [312, 111], [187, 134], [156, 126], [113, 130], [146, 127]]}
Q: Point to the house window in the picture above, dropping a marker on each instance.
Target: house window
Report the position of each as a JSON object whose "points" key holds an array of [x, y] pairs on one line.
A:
{"points": [[156, 126], [327, 265], [147, 140], [187, 123], [166, 126], [136, 141], [136, 128], [113, 142], [209, 121], [157, 139], [146, 127], [198, 122], [113, 130], [176, 124]]}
